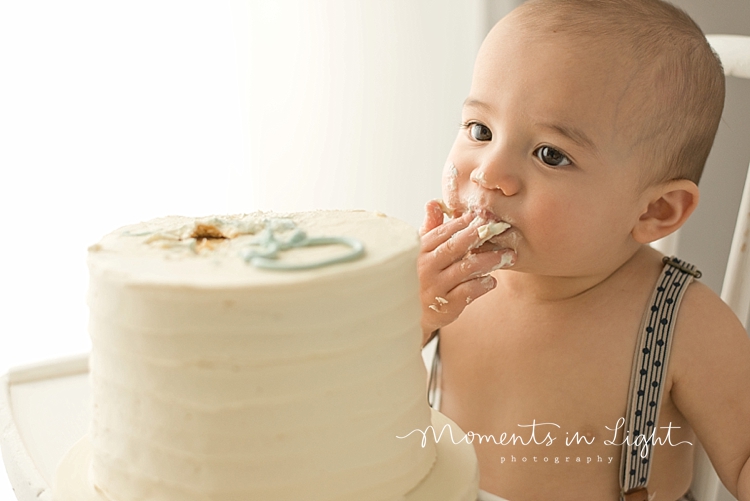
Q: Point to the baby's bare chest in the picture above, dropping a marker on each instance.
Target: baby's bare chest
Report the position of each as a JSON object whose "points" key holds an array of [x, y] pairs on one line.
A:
{"points": [[570, 370], [573, 366]]}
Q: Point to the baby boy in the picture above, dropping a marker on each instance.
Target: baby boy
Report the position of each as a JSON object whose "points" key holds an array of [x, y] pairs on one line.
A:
{"points": [[586, 130]]}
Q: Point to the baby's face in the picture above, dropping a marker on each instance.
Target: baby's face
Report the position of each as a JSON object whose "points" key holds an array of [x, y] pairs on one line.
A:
{"points": [[542, 148]]}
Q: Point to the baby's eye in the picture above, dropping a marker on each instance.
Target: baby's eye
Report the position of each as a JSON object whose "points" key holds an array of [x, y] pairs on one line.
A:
{"points": [[479, 132], [551, 156]]}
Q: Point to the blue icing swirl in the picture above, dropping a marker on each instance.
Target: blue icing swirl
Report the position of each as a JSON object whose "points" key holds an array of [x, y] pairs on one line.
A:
{"points": [[265, 247]]}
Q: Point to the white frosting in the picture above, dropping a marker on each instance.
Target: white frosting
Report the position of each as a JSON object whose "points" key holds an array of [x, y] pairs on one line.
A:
{"points": [[446, 210], [452, 176], [486, 230], [489, 230], [215, 380]]}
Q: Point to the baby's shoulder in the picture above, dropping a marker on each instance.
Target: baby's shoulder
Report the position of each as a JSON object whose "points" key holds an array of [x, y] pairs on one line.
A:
{"points": [[700, 302], [711, 379], [706, 329]]}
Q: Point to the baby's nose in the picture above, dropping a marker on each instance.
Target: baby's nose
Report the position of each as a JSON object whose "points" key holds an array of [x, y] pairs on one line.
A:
{"points": [[478, 177], [496, 178]]}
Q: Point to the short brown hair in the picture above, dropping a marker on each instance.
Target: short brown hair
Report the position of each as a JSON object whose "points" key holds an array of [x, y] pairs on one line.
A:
{"points": [[679, 115]]}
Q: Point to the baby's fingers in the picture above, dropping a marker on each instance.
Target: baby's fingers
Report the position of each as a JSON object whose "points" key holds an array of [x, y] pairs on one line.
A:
{"points": [[476, 265], [433, 217], [469, 291], [463, 294], [442, 233], [466, 243]]}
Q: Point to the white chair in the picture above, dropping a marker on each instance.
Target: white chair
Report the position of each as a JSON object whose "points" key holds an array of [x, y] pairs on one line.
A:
{"points": [[734, 52]]}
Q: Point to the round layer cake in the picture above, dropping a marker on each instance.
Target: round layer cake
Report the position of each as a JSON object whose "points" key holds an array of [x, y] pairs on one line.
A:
{"points": [[260, 356]]}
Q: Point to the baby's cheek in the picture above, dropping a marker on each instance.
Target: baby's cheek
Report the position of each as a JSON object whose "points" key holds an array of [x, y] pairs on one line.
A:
{"points": [[450, 184], [551, 222]]}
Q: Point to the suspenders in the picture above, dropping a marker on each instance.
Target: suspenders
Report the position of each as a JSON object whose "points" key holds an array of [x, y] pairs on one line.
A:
{"points": [[433, 385], [649, 371], [650, 362]]}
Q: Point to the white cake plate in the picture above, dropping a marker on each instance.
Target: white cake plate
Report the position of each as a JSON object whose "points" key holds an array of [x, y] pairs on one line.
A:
{"points": [[44, 412]]}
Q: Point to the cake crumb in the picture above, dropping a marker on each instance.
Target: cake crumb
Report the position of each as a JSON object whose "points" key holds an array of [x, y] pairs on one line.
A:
{"points": [[206, 231]]}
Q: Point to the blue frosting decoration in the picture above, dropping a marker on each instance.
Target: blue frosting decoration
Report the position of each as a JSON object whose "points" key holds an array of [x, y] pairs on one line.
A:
{"points": [[265, 247]]}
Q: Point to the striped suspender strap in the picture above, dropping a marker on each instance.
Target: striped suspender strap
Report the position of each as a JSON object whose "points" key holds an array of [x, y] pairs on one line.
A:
{"points": [[650, 363], [433, 385]]}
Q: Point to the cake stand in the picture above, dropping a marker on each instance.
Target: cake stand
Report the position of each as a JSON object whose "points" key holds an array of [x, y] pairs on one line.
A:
{"points": [[44, 412]]}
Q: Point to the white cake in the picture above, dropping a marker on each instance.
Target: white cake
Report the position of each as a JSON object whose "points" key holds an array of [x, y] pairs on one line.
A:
{"points": [[216, 378]]}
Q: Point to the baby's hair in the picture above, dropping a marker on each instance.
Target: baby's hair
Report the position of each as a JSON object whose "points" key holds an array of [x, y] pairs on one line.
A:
{"points": [[680, 77]]}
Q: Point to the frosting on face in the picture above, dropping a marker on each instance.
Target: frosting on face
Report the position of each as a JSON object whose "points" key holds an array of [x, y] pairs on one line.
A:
{"points": [[452, 176], [491, 229]]}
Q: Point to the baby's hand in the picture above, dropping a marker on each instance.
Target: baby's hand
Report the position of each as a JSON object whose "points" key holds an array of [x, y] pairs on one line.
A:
{"points": [[453, 269]]}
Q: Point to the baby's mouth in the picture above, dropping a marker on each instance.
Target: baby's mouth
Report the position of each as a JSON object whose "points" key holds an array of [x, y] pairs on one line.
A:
{"points": [[487, 223], [487, 229]]}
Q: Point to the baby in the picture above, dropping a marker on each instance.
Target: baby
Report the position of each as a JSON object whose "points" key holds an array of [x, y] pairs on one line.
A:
{"points": [[586, 129]]}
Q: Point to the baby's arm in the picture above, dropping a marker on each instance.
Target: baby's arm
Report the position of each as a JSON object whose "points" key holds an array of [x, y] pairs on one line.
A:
{"points": [[450, 275], [711, 384]]}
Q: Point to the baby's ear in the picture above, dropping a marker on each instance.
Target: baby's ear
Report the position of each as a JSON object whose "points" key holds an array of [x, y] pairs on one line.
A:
{"points": [[669, 205]]}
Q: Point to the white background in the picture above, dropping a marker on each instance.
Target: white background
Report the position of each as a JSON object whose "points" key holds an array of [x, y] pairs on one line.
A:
{"points": [[110, 113]]}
